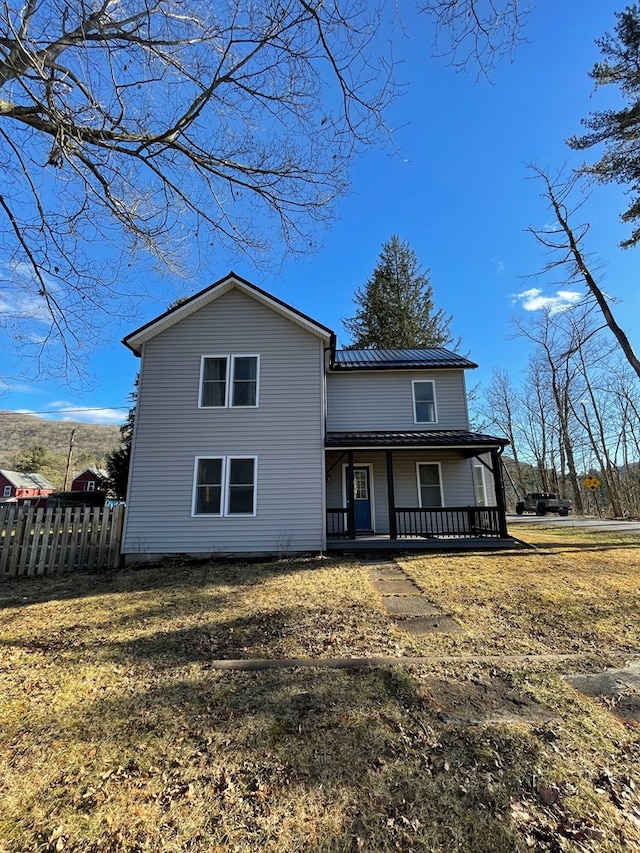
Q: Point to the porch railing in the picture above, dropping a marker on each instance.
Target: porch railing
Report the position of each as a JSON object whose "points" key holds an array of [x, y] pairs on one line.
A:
{"points": [[459, 522], [337, 523], [413, 522]]}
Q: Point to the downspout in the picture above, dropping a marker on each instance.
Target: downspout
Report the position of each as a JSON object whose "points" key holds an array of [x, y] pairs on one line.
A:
{"points": [[499, 487]]}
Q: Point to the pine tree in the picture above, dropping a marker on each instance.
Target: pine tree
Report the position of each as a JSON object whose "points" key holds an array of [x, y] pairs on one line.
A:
{"points": [[118, 460], [618, 130], [395, 307]]}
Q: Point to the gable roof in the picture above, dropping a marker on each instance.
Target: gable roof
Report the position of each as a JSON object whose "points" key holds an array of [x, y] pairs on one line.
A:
{"points": [[174, 315], [27, 481], [98, 473], [399, 359]]}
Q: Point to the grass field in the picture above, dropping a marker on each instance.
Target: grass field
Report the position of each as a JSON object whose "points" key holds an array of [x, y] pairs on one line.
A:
{"points": [[117, 734]]}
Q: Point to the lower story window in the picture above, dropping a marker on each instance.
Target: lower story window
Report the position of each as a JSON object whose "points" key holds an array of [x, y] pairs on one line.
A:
{"points": [[225, 485], [429, 485], [479, 486]]}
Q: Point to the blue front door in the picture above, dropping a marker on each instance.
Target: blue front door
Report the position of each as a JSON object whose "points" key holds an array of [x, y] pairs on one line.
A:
{"points": [[362, 498]]}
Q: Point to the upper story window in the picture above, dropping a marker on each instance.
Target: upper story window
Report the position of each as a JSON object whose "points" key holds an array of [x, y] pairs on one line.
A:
{"points": [[229, 381], [7, 491], [424, 401], [91, 485]]}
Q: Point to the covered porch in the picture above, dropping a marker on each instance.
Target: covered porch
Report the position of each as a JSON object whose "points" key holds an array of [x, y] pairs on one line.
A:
{"points": [[414, 490]]}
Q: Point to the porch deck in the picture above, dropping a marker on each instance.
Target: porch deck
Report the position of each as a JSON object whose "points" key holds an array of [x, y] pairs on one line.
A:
{"points": [[382, 542]]}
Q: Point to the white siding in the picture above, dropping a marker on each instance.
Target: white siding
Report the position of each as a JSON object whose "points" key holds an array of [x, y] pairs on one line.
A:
{"points": [[383, 400], [285, 432]]}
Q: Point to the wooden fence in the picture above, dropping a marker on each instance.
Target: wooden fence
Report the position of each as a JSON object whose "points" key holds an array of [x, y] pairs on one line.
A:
{"points": [[44, 542]]}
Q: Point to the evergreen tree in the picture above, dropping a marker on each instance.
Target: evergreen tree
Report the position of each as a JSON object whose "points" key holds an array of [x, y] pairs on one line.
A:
{"points": [[618, 130], [118, 460], [395, 307]]}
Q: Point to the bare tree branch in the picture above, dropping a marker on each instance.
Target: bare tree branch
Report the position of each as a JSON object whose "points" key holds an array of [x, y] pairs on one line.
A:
{"points": [[568, 242], [477, 34], [150, 125]]}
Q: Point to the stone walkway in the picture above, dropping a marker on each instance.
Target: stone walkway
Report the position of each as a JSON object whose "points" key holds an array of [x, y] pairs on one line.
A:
{"points": [[405, 602]]}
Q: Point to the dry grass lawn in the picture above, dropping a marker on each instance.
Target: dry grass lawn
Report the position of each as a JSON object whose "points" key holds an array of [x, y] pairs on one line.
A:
{"points": [[118, 735]]}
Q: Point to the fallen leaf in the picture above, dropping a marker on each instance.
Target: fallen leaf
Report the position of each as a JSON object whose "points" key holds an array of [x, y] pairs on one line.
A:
{"points": [[549, 794]]}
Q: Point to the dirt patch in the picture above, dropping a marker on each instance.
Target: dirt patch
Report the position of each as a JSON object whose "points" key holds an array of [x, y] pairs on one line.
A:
{"points": [[483, 700], [617, 689]]}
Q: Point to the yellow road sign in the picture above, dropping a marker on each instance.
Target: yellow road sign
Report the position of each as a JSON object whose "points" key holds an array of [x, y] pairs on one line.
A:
{"points": [[591, 482]]}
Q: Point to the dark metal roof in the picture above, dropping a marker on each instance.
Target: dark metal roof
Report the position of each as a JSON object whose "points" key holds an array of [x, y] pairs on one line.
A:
{"points": [[431, 438], [394, 359]]}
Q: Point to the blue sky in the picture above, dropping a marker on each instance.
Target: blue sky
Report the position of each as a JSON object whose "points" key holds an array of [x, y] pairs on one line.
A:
{"points": [[458, 191]]}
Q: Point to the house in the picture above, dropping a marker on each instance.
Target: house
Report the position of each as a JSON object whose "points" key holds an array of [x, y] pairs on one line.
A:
{"points": [[252, 432], [28, 490], [90, 480]]}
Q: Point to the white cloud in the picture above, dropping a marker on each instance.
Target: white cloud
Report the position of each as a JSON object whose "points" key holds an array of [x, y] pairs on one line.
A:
{"points": [[25, 307], [19, 297], [15, 387], [533, 300], [63, 411], [89, 414]]}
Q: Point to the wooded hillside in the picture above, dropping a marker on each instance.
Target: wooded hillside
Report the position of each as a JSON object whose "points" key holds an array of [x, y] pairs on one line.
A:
{"points": [[20, 433]]}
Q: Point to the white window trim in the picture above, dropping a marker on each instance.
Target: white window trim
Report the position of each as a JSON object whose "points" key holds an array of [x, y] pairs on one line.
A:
{"points": [[91, 485], [424, 462], [231, 380], [7, 491], [224, 498], [194, 496], [228, 389], [372, 502], [479, 467], [435, 401]]}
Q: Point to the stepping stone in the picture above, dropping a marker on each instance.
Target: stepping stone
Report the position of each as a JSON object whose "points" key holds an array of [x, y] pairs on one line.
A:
{"points": [[440, 624], [386, 574], [414, 605], [402, 586], [381, 563]]}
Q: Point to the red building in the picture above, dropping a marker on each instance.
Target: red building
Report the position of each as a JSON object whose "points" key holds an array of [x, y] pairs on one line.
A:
{"points": [[90, 480], [28, 490]]}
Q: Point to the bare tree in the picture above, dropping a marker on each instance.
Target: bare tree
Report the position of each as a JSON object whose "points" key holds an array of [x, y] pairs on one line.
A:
{"points": [[503, 411], [162, 126], [173, 127], [566, 245], [555, 338]]}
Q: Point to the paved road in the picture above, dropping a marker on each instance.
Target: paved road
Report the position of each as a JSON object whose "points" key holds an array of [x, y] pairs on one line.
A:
{"points": [[604, 524]]}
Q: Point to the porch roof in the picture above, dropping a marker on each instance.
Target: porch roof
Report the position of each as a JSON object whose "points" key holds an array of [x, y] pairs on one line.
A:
{"points": [[450, 438], [399, 359]]}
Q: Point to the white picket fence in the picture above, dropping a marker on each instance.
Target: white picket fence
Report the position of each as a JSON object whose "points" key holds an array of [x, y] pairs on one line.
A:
{"points": [[49, 541]]}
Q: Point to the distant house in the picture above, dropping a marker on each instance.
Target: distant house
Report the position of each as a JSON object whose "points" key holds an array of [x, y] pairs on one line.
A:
{"points": [[29, 490], [254, 434], [91, 480]]}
